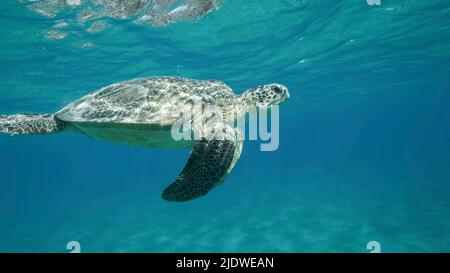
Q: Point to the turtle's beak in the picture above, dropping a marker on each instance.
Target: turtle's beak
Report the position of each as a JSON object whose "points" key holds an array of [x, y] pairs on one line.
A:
{"points": [[286, 94]]}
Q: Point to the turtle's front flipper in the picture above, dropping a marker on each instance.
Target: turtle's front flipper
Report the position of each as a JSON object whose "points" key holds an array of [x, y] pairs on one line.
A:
{"points": [[210, 161], [30, 124]]}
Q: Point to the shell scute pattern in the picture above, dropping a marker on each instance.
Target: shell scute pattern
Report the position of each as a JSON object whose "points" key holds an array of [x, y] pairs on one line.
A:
{"points": [[146, 100]]}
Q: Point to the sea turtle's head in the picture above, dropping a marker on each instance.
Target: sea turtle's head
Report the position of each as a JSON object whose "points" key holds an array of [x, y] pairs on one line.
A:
{"points": [[266, 95]]}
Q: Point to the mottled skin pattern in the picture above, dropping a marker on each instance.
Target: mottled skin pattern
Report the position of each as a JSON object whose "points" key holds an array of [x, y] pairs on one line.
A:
{"points": [[208, 165], [142, 111], [21, 124]]}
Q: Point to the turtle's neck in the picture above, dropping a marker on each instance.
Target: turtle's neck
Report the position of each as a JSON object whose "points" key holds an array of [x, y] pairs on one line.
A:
{"points": [[245, 102]]}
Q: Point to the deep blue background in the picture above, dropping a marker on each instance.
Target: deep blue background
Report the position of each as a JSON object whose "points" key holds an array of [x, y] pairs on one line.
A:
{"points": [[365, 137]]}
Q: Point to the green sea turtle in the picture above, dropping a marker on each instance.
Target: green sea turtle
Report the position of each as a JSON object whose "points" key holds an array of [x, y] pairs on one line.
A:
{"points": [[143, 111]]}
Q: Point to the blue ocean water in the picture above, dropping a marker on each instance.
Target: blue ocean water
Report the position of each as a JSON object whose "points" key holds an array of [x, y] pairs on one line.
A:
{"points": [[364, 149]]}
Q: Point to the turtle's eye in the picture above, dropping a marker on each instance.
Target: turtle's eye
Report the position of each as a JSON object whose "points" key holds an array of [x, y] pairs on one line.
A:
{"points": [[277, 90]]}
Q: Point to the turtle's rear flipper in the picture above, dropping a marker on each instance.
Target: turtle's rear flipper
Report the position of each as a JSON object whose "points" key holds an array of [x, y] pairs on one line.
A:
{"points": [[30, 124], [209, 164]]}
